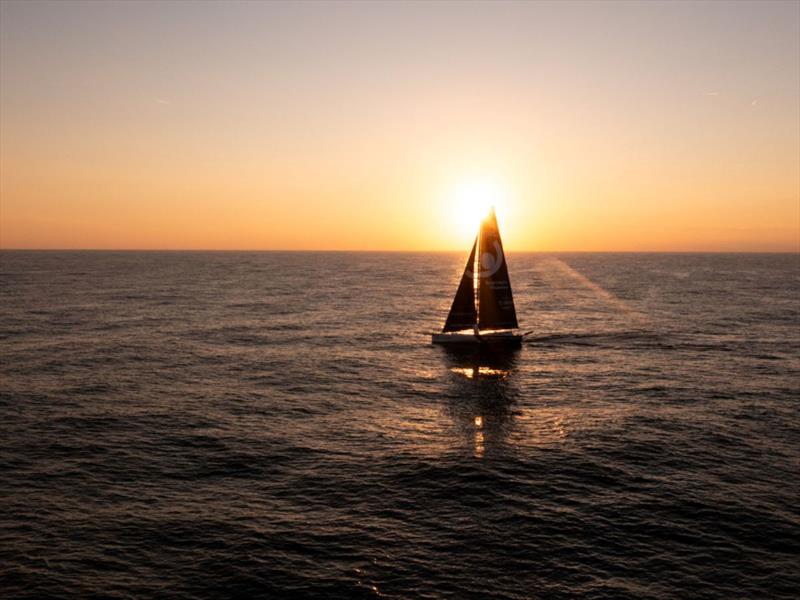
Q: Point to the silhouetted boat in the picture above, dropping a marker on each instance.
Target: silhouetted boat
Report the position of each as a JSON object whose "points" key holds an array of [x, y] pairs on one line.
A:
{"points": [[483, 310]]}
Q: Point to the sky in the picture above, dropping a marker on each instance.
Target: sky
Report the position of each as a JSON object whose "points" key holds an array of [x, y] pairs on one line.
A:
{"points": [[624, 126]]}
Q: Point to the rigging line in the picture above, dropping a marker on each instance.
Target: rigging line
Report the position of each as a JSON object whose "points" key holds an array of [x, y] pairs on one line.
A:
{"points": [[476, 277]]}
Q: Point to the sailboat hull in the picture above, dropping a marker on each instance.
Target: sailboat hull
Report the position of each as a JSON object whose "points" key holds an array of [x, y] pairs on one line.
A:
{"points": [[495, 338]]}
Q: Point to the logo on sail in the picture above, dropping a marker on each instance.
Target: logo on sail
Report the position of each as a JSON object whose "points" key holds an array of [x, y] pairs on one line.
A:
{"points": [[489, 263]]}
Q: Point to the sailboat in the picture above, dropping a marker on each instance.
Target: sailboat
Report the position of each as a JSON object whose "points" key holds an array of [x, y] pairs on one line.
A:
{"points": [[483, 310]]}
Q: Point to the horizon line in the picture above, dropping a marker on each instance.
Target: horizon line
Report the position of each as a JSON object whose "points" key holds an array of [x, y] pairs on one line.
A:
{"points": [[393, 251]]}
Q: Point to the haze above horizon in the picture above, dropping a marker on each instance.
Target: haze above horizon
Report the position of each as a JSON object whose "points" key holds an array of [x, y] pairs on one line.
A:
{"points": [[388, 126]]}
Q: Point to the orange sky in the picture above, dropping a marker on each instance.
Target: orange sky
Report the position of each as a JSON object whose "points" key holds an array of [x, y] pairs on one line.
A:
{"points": [[624, 126]]}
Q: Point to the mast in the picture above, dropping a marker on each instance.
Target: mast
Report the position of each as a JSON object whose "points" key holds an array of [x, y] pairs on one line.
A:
{"points": [[477, 270]]}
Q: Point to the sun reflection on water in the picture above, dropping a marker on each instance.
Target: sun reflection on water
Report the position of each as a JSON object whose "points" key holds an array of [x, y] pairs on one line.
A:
{"points": [[479, 447], [482, 372], [481, 399], [481, 406]]}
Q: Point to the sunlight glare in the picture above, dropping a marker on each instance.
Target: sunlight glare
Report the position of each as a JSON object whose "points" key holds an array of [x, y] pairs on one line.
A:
{"points": [[471, 200]]}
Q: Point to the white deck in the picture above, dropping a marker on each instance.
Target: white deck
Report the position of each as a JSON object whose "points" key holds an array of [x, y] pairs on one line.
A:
{"points": [[469, 337]]}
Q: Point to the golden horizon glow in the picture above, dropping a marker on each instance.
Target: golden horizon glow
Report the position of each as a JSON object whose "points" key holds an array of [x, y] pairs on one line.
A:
{"points": [[233, 126]]}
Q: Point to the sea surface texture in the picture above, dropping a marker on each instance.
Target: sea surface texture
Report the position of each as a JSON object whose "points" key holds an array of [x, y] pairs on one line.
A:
{"points": [[278, 425]]}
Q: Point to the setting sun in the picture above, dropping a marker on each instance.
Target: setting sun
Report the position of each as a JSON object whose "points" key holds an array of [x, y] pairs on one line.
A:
{"points": [[471, 199]]}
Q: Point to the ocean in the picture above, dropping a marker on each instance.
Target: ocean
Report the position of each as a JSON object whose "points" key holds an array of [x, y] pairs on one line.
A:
{"points": [[278, 425]]}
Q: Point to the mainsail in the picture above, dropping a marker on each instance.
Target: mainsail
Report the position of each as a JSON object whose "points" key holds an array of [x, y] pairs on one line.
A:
{"points": [[495, 302], [463, 314]]}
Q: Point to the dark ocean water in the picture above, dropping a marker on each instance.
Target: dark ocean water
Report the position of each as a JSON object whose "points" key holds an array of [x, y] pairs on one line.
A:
{"points": [[277, 425]]}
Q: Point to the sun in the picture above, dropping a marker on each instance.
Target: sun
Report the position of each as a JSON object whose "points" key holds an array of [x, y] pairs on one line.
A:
{"points": [[471, 199]]}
